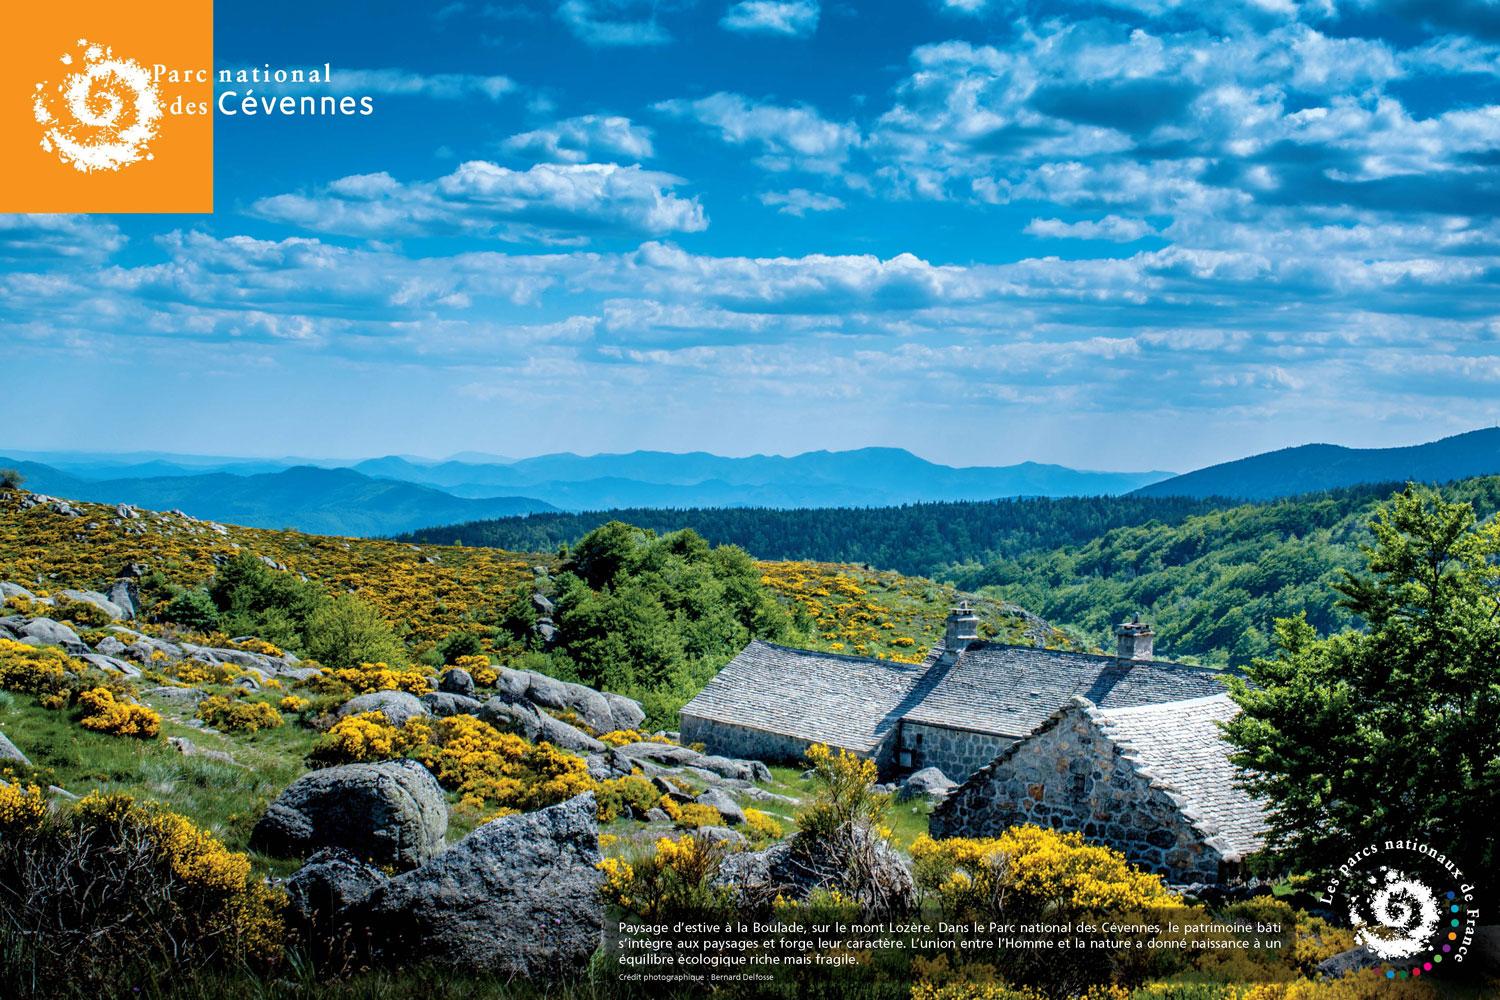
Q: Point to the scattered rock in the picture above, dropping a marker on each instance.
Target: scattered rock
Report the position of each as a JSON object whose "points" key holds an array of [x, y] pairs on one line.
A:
{"points": [[609, 764], [188, 748], [1345, 962], [125, 595], [662, 753], [929, 783], [519, 897], [9, 590], [588, 704], [95, 599], [111, 664], [443, 704], [731, 840], [392, 812], [728, 808], [625, 713], [457, 680], [10, 753], [46, 632], [852, 861], [190, 696], [655, 815], [322, 891], [534, 725], [110, 646], [397, 706], [742, 770]]}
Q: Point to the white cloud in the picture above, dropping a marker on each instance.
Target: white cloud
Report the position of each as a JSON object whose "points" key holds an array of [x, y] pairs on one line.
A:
{"points": [[800, 201], [1115, 228], [613, 23], [35, 238], [584, 138], [788, 137], [552, 203], [406, 83], [796, 18]]}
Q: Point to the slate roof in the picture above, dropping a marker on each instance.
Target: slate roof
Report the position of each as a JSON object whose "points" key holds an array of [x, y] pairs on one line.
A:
{"points": [[1011, 690], [843, 701], [1179, 743]]}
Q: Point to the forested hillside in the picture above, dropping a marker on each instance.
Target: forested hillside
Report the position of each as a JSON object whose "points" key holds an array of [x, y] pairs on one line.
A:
{"points": [[1215, 583], [925, 539]]}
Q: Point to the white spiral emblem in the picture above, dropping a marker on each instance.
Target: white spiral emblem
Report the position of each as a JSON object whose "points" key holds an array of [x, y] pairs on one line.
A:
{"points": [[1397, 918], [103, 116]]}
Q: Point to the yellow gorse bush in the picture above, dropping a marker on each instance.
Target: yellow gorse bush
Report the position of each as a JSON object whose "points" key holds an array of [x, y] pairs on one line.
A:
{"points": [[33, 670], [292, 703], [677, 876], [230, 901], [1028, 865], [22, 807], [761, 826], [104, 713], [234, 716], [370, 677]]}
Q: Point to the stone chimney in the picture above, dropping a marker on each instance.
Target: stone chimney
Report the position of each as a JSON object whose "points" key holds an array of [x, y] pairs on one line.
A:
{"points": [[962, 629], [1133, 641]]}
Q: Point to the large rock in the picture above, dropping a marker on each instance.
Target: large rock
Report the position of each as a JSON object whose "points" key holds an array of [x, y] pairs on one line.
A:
{"points": [[739, 770], [1346, 962], [321, 892], [527, 721], [46, 632], [397, 706], [111, 664], [728, 808], [9, 590], [457, 680], [10, 753], [928, 783], [852, 861], [389, 813], [443, 704], [667, 754], [125, 595], [95, 599], [625, 713], [517, 897], [589, 705]]}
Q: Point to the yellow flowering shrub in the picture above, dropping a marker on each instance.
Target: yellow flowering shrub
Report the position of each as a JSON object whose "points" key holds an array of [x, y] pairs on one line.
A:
{"points": [[227, 900], [292, 703], [32, 669], [621, 737], [368, 677], [845, 794], [615, 796], [478, 666], [260, 646], [691, 815], [362, 737], [232, 715], [488, 767], [760, 826], [22, 807], [104, 713], [197, 672], [1031, 867], [677, 876]]}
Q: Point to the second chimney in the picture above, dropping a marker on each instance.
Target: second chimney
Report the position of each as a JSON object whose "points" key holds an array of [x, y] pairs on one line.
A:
{"points": [[962, 628], [1134, 641]]}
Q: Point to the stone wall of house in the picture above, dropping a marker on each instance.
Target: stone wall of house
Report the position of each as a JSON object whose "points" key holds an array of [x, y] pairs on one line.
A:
{"points": [[955, 752], [1069, 777], [728, 740]]}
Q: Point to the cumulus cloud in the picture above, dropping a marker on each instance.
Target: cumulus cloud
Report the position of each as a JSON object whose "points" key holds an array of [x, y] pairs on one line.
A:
{"points": [[613, 23], [407, 83], [1114, 228], [553, 203], [796, 18], [788, 137], [36, 238], [585, 138], [800, 201]]}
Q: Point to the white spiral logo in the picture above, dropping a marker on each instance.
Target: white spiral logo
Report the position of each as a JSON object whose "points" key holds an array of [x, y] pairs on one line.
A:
{"points": [[107, 114], [1399, 917]]}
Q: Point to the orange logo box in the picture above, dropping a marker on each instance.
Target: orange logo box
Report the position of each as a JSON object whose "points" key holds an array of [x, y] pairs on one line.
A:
{"points": [[107, 106]]}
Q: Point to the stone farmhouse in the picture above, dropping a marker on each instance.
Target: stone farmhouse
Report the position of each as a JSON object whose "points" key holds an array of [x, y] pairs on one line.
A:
{"points": [[1153, 781], [957, 710]]}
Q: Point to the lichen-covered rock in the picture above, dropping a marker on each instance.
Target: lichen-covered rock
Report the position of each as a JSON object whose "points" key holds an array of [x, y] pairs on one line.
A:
{"points": [[111, 664], [728, 808], [9, 752], [588, 704], [321, 892], [625, 713], [388, 813], [527, 721], [852, 861], [96, 599], [396, 706], [662, 753], [457, 680], [46, 632], [517, 897], [928, 783], [444, 703]]}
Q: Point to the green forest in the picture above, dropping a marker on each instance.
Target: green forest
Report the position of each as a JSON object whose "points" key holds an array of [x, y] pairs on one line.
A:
{"points": [[1212, 575]]}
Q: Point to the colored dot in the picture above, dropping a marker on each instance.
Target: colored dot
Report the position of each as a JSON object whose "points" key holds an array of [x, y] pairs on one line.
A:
{"points": [[1416, 972], [1447, 947], [1426, 966], [1453, 923], [1437, 958], [1403, 973], [1390, 973], [1451, 894], [1453, 908]]}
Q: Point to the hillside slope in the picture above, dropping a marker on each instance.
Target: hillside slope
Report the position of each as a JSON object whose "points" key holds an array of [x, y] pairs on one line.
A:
{"points": [[329, 501], [1313, 467]]}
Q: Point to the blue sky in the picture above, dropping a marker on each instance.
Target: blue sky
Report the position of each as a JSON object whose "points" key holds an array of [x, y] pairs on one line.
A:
{"points": [[1137, 234]]}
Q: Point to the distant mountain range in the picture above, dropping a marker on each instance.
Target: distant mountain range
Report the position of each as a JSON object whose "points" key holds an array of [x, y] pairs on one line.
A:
{"points": [[398, 493], [1313, 467], [323, 501]]}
